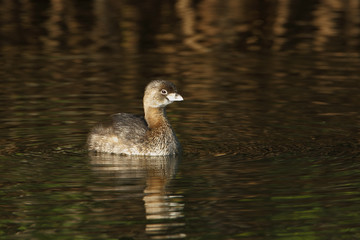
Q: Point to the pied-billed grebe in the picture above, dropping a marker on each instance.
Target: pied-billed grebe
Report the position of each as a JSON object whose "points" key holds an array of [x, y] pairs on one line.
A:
{"points": [[132, 135]]}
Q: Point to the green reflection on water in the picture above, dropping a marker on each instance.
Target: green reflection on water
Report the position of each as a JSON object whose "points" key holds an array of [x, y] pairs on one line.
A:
{"points": [[271, 139]]}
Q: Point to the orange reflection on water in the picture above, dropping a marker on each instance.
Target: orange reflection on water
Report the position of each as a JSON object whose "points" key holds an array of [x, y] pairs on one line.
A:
{"points": [[199, 26]]}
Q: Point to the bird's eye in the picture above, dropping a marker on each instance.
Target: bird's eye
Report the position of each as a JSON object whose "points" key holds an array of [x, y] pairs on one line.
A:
{"points": [[163, 92]]}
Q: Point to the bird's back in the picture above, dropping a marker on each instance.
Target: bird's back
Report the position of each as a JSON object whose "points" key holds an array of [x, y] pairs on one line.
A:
{"points": [[123, 133]]}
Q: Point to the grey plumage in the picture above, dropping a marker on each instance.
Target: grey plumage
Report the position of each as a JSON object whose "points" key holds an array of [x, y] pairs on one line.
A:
{"points": [[128, 134]]}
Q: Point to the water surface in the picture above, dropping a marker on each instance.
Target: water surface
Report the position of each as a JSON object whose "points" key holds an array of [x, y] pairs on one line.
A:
{"points": [[269, 125]]}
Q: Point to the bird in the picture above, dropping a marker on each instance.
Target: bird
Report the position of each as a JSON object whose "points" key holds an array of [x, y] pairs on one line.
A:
{"points": [[151, 134]]}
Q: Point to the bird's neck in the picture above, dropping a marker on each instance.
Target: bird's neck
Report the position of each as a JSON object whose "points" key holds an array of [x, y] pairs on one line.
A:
{"points": [[155, 117]]}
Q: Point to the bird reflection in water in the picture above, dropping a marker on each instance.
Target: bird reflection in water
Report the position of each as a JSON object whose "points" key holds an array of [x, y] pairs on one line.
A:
{"points": [[163, 208]]}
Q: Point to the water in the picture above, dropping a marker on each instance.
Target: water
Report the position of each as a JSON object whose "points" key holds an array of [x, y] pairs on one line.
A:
{"points": [[269, 125]]}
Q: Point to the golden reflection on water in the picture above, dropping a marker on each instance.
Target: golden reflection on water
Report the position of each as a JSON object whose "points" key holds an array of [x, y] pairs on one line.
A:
{"points": [[65, 64], [163, 209], [207, 25], [102, 63]]}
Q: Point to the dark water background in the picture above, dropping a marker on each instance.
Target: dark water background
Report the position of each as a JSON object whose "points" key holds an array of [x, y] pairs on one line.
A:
{"points": [[269, 125]]}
